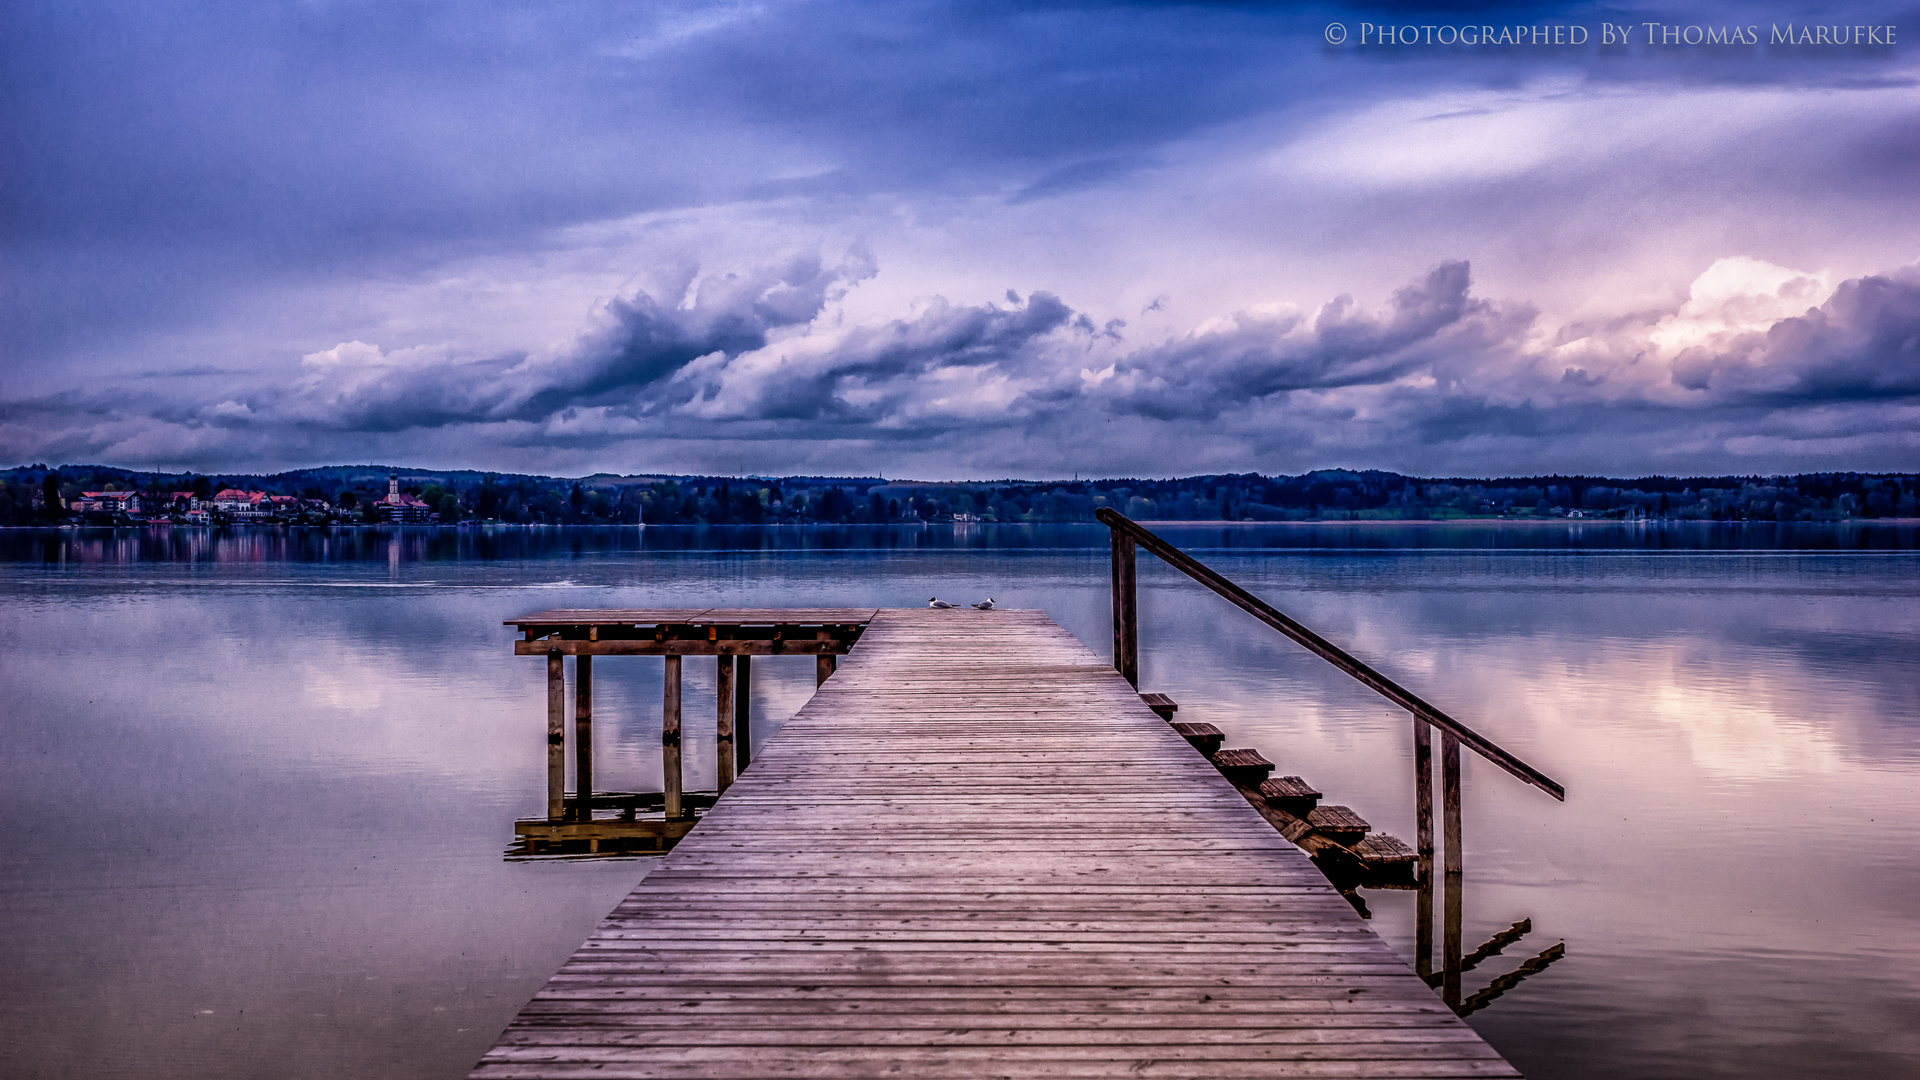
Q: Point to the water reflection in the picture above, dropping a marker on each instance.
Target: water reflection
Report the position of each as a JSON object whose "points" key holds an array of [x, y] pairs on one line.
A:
{"points": [[425, 543], [1733, 871]]}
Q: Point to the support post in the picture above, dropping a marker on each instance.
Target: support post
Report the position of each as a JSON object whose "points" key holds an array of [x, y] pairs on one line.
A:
{"points": [[1455, 877], [1450, 799], [1126, 615], [823, 668], [1423, 793], [1423, 928], [723, 724], [583, 738], [742, 714], [556, 736], [670, 739], [1423, 832], [1450, 979]]}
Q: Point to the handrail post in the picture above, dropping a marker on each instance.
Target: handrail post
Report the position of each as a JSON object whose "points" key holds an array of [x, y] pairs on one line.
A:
{"points": [[1423, 793], [556, 736], [583, 737], [1126, 612], [1455, 878], [670, 740], [1450, 799]]}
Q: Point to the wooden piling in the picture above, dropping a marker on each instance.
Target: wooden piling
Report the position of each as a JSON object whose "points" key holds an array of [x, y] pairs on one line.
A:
{"points": [[1455, 863], [556, 737], [1450, 799], [742, 714], [723, 724], [1450, 947], [1423, 795], [1126, 613], [670, 739], [823, 668], [583, 738]]}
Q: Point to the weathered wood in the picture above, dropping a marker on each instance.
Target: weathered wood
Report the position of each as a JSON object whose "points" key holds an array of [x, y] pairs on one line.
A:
{"points": [[742, 713], [582, 738], [1204, 737], [823, 646], [1131, 533], [1390, 863], [823, 669], [723, 722], [1339, 824], [920, 877], [1126, 612], [670, 739], [1290, 793], [1161, 704], [1244, 768], [1423, 797], [556, 737], [1450, 800], [1450, 940]]}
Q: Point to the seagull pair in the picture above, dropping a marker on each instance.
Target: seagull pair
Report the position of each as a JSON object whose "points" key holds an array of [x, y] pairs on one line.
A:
{"points": [[936, 602]]}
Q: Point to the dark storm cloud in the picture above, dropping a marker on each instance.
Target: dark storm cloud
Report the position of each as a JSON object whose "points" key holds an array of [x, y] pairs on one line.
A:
{"points": [[1254, 356], [641, 342], [213, 190], [756, 354], [1862, 344]]}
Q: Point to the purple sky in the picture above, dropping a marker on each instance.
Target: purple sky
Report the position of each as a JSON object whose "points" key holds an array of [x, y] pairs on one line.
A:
{"points": [[954, 240]]}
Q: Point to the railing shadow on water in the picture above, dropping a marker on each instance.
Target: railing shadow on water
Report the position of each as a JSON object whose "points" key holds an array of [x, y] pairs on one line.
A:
{"points": [[1127, 535]]}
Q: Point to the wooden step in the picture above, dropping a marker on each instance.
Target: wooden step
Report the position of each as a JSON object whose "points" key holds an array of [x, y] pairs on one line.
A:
{"points": [[1389, 862], [1381, 849], [1205, 737], [1162, 704], [1246, 768], [1338, 824], [1290, 793]]}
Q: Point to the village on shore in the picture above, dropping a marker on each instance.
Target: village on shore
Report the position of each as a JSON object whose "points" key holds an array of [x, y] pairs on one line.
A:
{"points": [[234, 506], [41, 495]]}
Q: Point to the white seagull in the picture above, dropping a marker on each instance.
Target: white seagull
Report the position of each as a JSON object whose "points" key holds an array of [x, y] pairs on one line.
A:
{"points": [[934, 601], [986, 605]]}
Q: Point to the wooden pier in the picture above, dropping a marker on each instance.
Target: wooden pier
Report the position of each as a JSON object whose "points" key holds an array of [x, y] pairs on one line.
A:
{"points": [[976, 852]]}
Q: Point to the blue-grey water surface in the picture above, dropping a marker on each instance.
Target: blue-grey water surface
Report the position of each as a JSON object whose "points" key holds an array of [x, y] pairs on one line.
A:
{"points": [[255, 785]]}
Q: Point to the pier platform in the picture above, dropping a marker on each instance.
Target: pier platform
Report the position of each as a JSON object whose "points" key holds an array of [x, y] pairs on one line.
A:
{"points": [[976, 852]]}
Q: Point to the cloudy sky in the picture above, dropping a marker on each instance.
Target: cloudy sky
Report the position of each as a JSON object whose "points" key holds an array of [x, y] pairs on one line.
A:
{"points": [[942, 240]]}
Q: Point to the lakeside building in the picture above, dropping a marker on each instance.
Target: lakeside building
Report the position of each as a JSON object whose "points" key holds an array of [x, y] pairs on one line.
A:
{"points": [[108, 502], [399, 508]]}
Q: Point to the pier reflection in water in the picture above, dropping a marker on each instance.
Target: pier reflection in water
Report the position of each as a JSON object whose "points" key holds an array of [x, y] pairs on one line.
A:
{"points": [[1453, 965]]}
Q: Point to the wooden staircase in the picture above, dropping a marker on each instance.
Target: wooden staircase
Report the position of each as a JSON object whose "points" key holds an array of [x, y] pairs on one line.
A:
{"points": [[1344, 845]]}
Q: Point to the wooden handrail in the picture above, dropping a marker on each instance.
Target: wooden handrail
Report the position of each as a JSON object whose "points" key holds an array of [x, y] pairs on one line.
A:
{"points": [[1326, 650]]}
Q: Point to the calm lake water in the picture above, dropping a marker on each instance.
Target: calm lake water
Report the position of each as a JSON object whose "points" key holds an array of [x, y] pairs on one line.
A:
{"points": [[256, 785]]}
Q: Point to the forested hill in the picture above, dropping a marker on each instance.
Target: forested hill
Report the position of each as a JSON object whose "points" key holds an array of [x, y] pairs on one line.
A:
{"points": [[1330, 494]]}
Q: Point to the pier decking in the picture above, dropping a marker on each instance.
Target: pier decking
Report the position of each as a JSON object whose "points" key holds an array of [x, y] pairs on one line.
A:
{"points": [[977, 853]]}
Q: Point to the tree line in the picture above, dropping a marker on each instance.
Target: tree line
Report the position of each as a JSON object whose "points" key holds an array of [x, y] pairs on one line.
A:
{"points": [[36, 495]]}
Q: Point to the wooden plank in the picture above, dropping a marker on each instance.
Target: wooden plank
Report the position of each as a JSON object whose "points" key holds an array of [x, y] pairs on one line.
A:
{"points": [[1339, 824], [908, 882], [1202, 737], [1290, 793], [1161, 704], [1245, 768]]}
